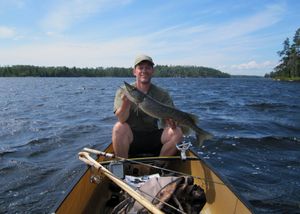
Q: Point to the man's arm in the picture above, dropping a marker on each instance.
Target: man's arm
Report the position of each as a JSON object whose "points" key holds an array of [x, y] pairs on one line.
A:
{"points": [[122, 113]]}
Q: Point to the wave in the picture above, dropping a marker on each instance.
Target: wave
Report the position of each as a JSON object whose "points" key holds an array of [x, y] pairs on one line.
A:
{"points": [[255, 139], [280, 151], [265, 170], [111, 119], [38, 141], [4, 151], [78, 130], [268, 206], [267, 106], [62, 138], [9, 166]]}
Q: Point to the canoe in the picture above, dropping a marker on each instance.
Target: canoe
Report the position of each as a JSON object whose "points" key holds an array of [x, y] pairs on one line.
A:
{"points": [[85, 196]]}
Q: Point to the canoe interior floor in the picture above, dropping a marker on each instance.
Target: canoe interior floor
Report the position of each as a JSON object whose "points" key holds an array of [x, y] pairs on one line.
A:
{"points": [[107, 195]]}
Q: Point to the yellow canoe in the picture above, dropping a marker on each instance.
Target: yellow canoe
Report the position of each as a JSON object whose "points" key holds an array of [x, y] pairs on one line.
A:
{"points": [[88, 197]]}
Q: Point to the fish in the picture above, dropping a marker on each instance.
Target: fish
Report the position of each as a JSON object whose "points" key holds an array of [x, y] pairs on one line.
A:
{"points": [[158, 110]]}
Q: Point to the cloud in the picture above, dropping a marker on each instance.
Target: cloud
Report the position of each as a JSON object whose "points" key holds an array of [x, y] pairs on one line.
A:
{"points": [[6, 32], [249, 68], [244, 26], [254, 65], [63, 15], [221, 45], [199, 41], [114, 53]]}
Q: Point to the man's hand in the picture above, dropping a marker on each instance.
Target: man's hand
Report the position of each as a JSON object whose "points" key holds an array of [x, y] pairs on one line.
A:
{"points": [[125, 100], [122, 113]]}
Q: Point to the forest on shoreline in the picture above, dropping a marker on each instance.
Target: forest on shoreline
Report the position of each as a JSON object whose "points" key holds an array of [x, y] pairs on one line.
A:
{"points": [[289, 66], [63, 71]]}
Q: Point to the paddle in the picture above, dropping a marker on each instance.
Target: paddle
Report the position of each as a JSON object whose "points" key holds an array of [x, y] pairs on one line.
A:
{"points": [[86, 158]]}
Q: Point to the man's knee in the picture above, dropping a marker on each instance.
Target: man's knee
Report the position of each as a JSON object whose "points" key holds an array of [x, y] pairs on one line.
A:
{"points": [[178, 135], [121, 131], [173, 135], [120, 127]]}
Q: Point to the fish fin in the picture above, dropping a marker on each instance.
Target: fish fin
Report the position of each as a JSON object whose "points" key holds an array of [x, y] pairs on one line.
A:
{"points": [[185, 130], [202, 136], [194, 118], [161, 123], [137, 110]]}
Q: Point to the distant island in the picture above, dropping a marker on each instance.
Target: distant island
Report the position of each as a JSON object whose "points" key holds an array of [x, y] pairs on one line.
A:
{"points": [[62, 71], [289, 66]]}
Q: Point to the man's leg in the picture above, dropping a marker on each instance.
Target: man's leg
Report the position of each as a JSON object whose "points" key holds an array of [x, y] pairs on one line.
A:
{"points": [[121, 139], [169, 138]]}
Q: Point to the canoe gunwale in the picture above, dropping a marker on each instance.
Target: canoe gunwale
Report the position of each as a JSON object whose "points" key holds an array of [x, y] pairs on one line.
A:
{"points": [[84, 170], [69, 189], [225, 181]]}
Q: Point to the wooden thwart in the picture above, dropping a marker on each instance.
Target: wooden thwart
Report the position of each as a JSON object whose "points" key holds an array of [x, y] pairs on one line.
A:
{"points": [[86, 158]]}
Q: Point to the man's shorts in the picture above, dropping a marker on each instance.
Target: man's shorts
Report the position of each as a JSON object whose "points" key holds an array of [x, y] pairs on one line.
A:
{"points": [[146, 143]]}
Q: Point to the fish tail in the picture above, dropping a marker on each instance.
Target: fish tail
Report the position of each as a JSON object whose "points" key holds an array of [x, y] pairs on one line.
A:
{"points": [[185, 130]]}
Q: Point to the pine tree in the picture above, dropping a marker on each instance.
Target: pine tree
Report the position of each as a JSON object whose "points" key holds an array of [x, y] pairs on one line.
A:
{"points": [[290, 59]]}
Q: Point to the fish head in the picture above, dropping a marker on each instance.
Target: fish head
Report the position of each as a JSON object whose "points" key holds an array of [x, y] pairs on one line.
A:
{"points": [[133, 94]]}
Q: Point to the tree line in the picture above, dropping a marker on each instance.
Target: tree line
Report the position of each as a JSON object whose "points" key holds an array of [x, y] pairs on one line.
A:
{"points": [[63, 71], [289, 66]]}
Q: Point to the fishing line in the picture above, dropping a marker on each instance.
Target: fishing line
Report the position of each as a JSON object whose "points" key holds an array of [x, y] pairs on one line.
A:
{"points": [[165, 203], [109, 155], [153, 197], [169, 170]]}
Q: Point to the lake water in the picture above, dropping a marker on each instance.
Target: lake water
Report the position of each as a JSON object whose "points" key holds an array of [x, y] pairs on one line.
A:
{"points": [[45, 122]]}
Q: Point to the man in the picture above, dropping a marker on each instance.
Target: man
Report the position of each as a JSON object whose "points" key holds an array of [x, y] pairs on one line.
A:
{"points": [[137, 133]]}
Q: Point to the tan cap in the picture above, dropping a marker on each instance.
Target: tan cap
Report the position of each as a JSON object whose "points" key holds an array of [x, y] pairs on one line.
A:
{"points": [[141, 58]]}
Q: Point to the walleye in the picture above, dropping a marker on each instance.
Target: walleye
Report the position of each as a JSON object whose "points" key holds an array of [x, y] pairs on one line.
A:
{"points": [[159, 110]]}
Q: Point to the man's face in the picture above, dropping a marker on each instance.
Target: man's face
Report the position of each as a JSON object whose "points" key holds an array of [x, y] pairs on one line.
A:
{"points": [[143, 72]]}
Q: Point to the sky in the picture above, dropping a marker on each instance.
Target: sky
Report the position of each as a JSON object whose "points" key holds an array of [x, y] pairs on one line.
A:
{"points": [[239, 37]]}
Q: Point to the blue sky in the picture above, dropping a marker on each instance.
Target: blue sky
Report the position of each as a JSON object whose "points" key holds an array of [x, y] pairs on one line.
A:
{"points": [[237, 37]]}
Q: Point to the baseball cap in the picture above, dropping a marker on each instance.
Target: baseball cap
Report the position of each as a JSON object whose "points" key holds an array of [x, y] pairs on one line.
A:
{"points": [[141, 58]]}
